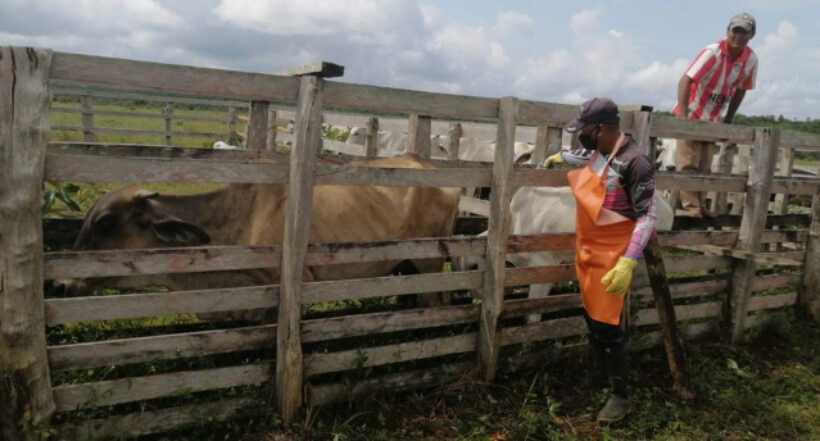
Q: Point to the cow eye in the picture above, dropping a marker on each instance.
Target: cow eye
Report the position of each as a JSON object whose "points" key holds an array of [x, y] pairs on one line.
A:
{"points": [[106, 223]]}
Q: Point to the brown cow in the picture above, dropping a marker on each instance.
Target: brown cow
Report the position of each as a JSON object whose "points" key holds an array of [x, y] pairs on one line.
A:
{"points": [[253, 214]]}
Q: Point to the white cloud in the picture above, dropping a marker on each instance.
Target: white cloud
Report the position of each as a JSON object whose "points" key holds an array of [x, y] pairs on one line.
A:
{"points": [[514, 22], [585, 19]]}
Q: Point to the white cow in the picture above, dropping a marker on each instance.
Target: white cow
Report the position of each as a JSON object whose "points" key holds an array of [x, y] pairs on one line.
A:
{"points": [[392, 143], [221, 145], [668, 149]]}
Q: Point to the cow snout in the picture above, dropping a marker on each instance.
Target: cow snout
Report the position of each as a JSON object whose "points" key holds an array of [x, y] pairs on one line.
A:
{"points": [[670, 168]]}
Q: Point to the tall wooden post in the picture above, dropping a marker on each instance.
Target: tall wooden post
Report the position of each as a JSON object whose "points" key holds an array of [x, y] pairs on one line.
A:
{"points": [[541, 145], [308, 140], [453, 141], [809, 298], [641, 125], [167, 112], [727, 155], [270, 139], [498, 231], [758, 189], [781, 201], [418, 135], [88, 119], [257, 125], [371, 140], [232, 125], [25, 384]]}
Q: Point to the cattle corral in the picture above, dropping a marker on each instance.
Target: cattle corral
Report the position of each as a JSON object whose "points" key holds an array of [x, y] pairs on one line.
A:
{"points": [[736, 283]]}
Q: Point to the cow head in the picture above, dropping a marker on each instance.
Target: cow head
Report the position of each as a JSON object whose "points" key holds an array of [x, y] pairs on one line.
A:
{"points": [[131, 218]]}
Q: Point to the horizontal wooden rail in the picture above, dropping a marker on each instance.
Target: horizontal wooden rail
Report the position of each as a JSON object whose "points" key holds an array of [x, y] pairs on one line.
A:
{"points": [[61, 89], [135, 115], [523, 307], [81, 309], [757, 303], [546, 330], [160, 347], [322, 363], [157, 421], [133, 132], [539, 274], [63, 148], [682, 312], [336, 290], [687, 290], [672, 127]]}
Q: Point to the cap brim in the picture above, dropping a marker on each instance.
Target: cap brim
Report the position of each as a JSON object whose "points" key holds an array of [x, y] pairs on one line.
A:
{"points": [[574, 126]]}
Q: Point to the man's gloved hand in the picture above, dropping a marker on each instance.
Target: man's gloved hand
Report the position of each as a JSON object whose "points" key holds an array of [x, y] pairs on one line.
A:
{"points": [[551, 160], [620, 276]]}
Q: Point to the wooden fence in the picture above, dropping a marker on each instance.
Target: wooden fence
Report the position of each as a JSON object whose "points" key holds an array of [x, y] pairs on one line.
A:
{"points": [[317, 360]]}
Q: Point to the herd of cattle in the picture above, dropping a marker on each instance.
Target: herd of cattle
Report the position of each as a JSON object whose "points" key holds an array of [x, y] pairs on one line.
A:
{"points": [[253, 214]]}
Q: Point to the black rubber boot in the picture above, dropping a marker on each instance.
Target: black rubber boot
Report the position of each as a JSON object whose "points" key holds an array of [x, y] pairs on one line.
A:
{"points": [[617, 407]]}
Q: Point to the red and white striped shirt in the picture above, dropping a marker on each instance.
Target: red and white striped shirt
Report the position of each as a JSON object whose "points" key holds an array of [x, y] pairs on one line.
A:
{"points": [[716, 78]]}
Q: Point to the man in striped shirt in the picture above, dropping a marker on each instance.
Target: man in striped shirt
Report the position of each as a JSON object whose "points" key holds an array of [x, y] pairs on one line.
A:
{"points": [[721, 73]]}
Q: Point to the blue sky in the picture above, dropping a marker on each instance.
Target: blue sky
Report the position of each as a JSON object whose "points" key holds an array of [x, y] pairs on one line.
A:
{"points": [[633, 51]]}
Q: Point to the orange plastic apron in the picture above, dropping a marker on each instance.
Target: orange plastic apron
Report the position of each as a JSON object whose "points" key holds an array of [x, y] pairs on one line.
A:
{"points": [[602, 236]]}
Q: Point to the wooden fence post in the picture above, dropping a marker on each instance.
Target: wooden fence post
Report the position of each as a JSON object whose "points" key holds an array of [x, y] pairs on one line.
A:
{"points": [[270, 139], [418, 135], [88, 119], [26, 401], [781, 201], [169, 109], [232, 125], [454, 141], [492, 301], [371, 141], [743, 153], [755, 210], [725, 159], [809, 298], [541, 145], [641, 125], [307, 142], [257, 125]]}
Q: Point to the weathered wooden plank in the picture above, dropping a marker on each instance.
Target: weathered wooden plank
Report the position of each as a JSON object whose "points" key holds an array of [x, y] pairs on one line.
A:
{"points": [[169, 78], [24, 375], [155, 151], [687, 290], [672, 127], [690, 330], [809, 299], [157, 421], [125, 390], [392, 321], [418, 135], [546, 114], [168, 112], [371, 142], [87, 119], [321, 69], [160, 347], [87, 168], [60, 88], [792, 185], [258, 125], [799, 140], [540, 242], [492, 293], [289, 365], [475, 206], [762, 258], [336, 290], [134, 132], [784, 168], [389, 100], [676, 238], [682, 312], [330, 254], [104, 263], [402, 177], [80, 309], [453, 141], [775, 281], [322, 363], [318, 395], [773, 301], [137, 115], [539, 274], [522, 307], [530, 177], [693, 182], [545, 330]]}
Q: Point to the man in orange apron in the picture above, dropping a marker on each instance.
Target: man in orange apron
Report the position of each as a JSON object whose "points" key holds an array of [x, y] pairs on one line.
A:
{"points": [[615, 217]]}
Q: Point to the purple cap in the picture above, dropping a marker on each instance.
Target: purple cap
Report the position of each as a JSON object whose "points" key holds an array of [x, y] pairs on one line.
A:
{"points": [[595, 111]]}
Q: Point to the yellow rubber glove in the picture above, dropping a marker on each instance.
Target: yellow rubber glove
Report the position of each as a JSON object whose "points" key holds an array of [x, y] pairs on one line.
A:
{"points": [[620, 276], [551, 160]]}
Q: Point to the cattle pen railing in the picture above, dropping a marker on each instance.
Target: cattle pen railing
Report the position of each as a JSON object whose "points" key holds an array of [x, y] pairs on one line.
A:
{"points": [[302, 359]]}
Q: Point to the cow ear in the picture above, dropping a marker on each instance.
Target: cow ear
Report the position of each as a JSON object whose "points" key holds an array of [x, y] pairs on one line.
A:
{"points": [[523, 159], [180, 233]]}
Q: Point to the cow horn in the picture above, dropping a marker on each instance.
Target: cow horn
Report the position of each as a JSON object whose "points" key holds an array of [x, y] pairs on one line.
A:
{"points": [[143, 194]]}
